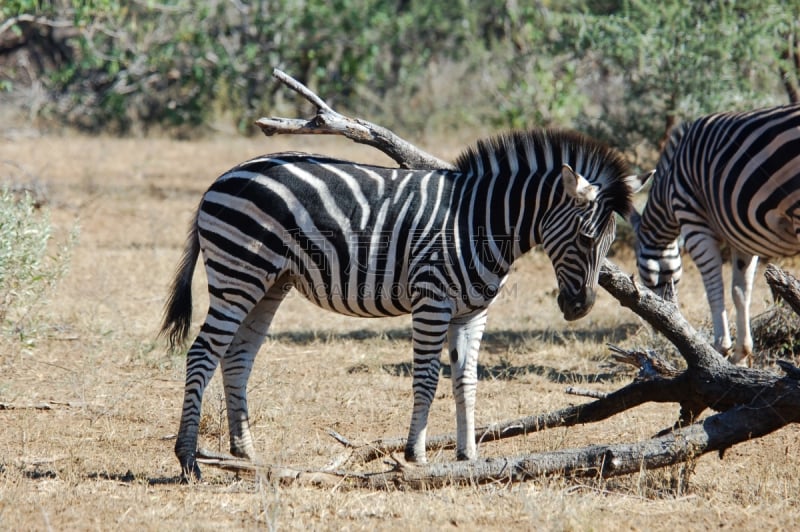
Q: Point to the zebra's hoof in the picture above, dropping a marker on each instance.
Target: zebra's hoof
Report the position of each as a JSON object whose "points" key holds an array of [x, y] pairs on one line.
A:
{"points": [[743, 360], [413, 457], [190, 471], [464, 457]]}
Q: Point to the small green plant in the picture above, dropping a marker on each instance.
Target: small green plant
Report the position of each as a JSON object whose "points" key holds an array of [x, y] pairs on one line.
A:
{"points": [[27, 271]]}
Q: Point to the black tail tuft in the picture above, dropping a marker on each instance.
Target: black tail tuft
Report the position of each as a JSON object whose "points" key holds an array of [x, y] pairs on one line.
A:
{"points": [[178, 309]]}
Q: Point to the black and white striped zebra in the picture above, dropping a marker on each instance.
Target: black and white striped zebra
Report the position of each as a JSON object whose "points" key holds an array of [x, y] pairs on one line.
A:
{"points": [[370, 241], [731, 178]]}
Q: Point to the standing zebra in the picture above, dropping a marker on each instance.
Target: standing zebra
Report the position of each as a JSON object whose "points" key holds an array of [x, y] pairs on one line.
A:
{"points": [[729, 178], [369, 241]]}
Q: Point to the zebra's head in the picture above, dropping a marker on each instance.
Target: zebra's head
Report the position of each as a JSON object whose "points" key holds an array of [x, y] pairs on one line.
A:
{"points": [[563, 190], [578, 236]]}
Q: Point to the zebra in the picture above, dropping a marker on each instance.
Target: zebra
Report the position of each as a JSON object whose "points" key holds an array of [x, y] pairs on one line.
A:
{"points": [[731, 178], [365, 240]]}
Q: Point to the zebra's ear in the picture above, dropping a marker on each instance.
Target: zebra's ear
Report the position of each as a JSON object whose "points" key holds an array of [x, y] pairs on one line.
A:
{"points": [[577, 186], [637, 182]]}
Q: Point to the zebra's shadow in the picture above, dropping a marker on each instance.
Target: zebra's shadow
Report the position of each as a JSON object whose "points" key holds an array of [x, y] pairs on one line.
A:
{"points": [[494, 342]]}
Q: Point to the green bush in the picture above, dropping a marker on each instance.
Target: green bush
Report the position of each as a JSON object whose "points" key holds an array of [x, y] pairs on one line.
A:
{"points": [[27, 271], [621, 70]]}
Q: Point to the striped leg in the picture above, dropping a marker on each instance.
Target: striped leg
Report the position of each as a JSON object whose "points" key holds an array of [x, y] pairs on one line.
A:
{"points": [[237, 364], [201, 362], [222, 323], [704, 250], [464, 338], [429, 333], [744, 272]]}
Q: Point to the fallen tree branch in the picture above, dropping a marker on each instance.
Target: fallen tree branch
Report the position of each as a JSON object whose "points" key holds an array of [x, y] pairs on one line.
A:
{"points": [[714, 383], [35, 406], [634, 394], [715, 434], [585, 392]]}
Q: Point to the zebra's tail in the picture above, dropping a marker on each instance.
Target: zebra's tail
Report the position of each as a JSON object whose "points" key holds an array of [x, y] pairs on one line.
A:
{"points": [[178, 309]]}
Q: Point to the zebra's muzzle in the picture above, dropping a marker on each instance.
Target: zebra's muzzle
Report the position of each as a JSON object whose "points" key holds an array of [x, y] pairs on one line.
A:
{"points": [[577, 305]]}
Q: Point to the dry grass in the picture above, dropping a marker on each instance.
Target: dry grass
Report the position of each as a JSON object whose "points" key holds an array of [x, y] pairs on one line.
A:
{"points": [[102, 458]]}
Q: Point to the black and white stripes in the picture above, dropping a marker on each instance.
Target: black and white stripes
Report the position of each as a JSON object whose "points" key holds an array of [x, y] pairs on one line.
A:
{"points": [[730, 178], [370, 241]]}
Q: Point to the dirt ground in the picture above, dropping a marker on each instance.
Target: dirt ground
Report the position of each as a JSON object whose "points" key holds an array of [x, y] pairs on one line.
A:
{"points": [[100, 457]]}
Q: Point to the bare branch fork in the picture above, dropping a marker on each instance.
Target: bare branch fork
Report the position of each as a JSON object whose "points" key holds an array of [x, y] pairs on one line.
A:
{"points": [[329, 122], [750, 403]]}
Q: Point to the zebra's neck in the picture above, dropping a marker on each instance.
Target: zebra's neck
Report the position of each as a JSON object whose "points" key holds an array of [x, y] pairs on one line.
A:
{"points": [[659, 225], [498, 214]]}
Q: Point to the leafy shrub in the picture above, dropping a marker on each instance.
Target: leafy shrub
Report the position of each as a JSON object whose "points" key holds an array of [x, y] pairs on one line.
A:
{"points": [[27, 272]]}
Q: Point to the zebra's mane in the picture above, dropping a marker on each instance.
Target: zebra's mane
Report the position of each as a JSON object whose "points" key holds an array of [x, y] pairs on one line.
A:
{"points": [[595, 161]]}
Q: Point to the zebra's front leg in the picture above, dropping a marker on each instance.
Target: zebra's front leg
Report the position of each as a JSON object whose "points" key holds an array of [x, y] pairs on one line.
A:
{"points": [[744, 272], [429, 333], [464, 338]]}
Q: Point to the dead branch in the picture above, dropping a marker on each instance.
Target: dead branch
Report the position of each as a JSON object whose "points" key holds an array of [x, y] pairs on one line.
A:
{"points": [[784, 286], [634, 394], [752, 403], [329, 122], [585, 392], [716, 433], [650, 363], [15, 406]]}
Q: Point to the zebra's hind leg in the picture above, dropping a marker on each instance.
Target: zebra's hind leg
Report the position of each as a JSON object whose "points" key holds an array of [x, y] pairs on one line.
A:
{"points": [[201, 362], [223, 321], [237, 364], [429, 333], [464, 338], [744, 272]]}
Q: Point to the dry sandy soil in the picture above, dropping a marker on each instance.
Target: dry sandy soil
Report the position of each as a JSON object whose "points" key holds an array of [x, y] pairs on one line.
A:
{"points": [[101, 456]]}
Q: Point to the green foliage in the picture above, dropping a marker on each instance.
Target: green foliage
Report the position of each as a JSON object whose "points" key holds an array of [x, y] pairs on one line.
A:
{"points": [[678, 59], [139, 66], [624, 70], [27, 272]]}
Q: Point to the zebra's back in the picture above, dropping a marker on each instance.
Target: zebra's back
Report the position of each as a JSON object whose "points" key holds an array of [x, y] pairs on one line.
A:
{"points": [[347, 236]]}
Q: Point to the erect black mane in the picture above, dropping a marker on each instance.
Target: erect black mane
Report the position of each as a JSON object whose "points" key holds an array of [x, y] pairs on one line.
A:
{"points": [[597, 162]]}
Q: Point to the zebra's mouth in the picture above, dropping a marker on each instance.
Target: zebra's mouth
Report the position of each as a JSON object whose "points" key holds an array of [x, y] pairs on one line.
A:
{"points": [[576, 306]]}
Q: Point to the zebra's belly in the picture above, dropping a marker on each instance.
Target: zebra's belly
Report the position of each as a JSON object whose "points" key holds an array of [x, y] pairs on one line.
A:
{"points": [[359, 300]]}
